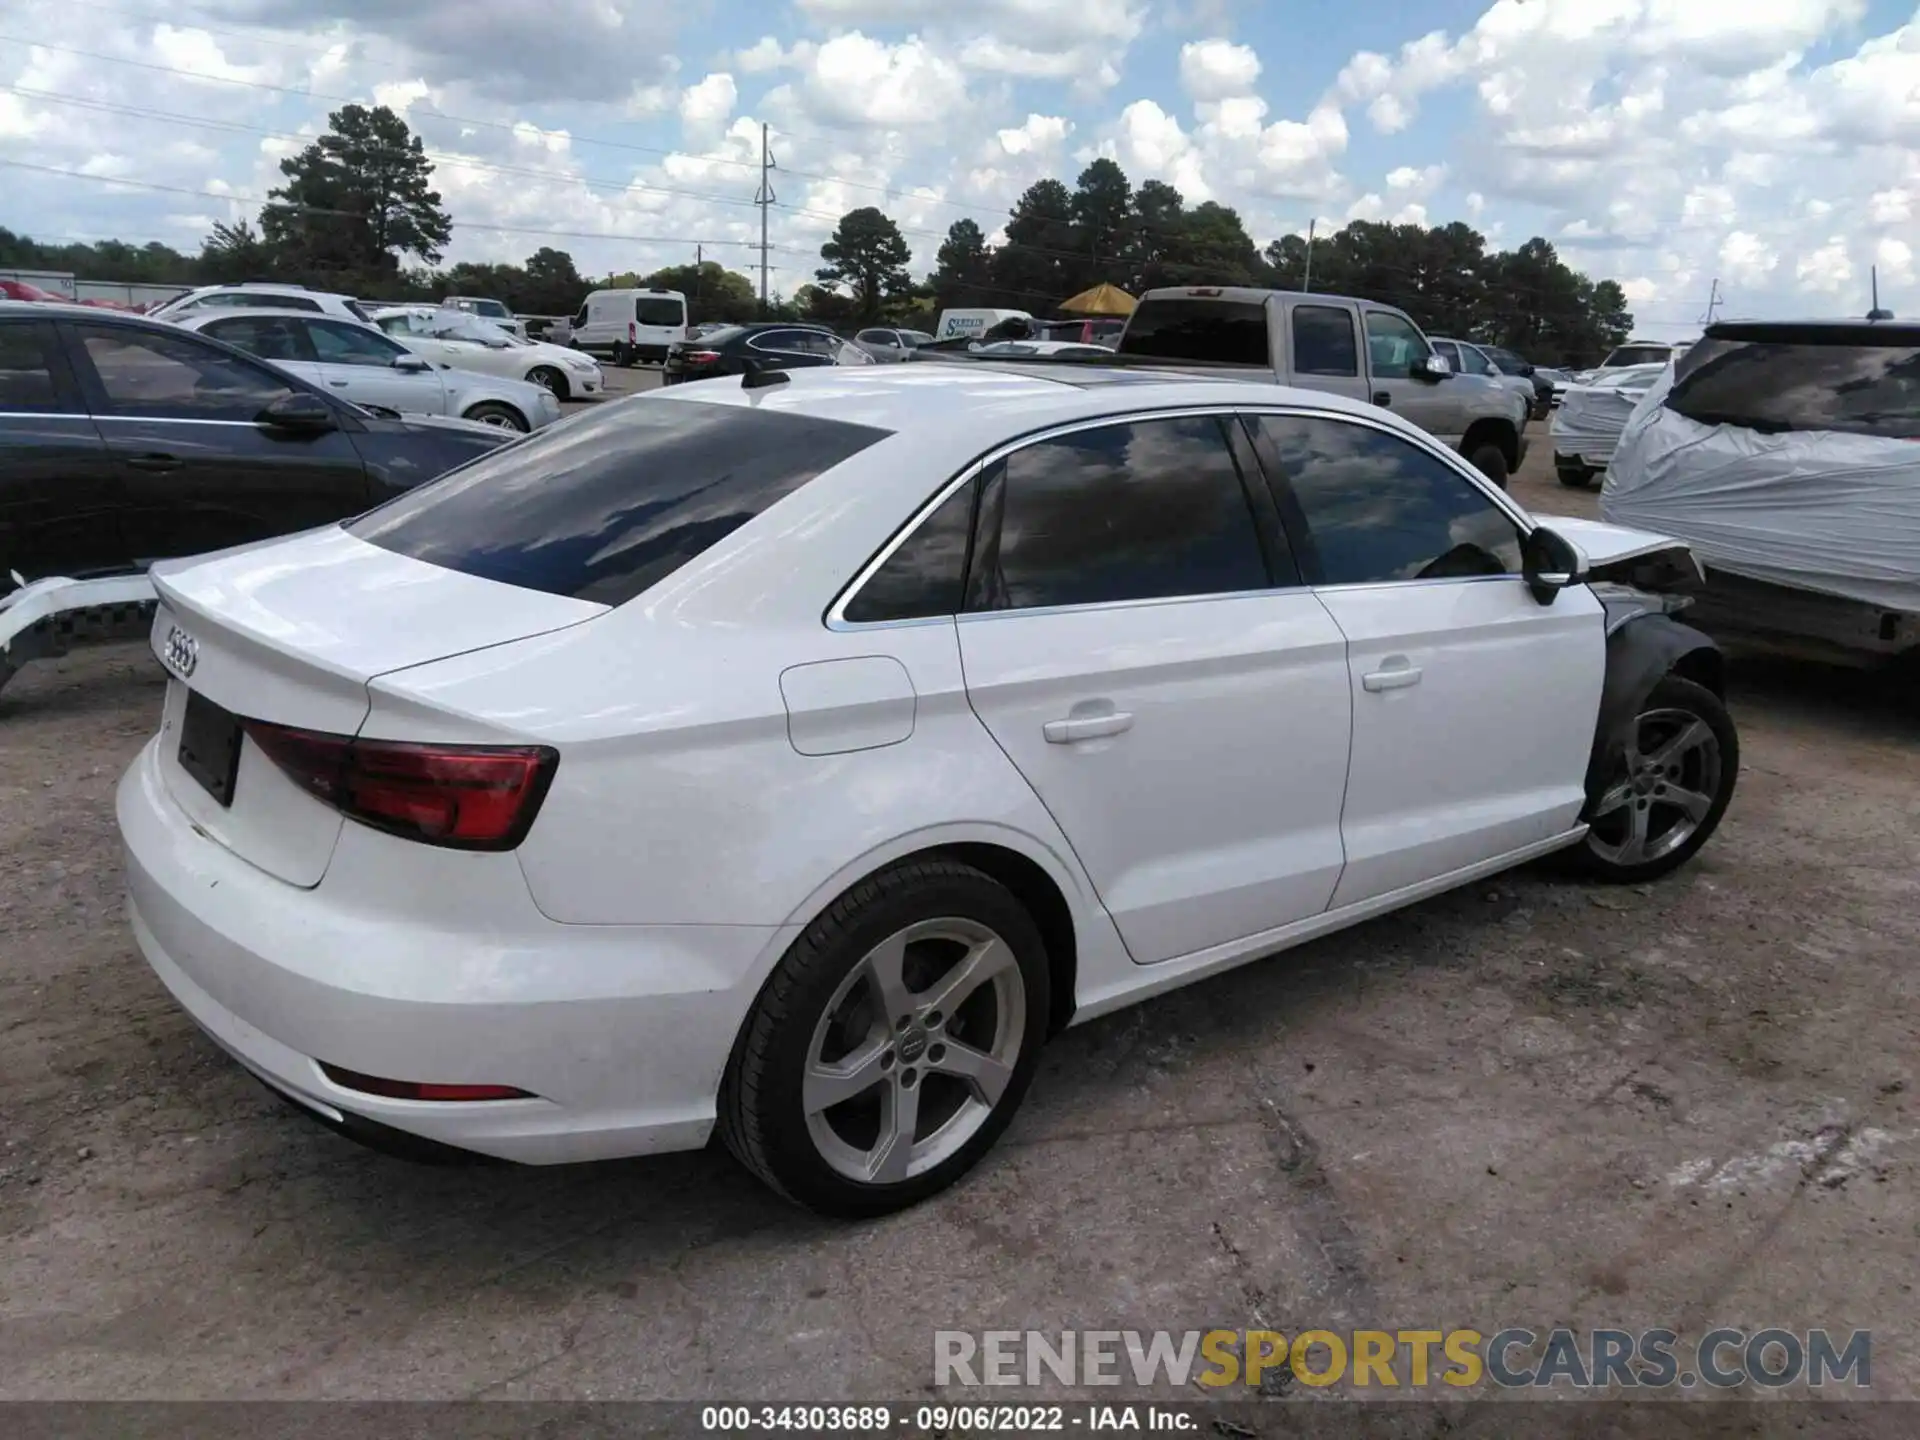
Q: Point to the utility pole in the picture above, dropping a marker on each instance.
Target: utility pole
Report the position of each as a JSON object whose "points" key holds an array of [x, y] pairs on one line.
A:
{"points": [[699, 260], [1307, 284], [1713, 302], [763, 197]]}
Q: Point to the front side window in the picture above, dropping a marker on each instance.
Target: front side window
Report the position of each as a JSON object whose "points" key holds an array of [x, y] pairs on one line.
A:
{"points": [[1323, 341], [26, 369], [271, 337], [611, 502], [1380, 508], [924, 577], [879, 337], [1774, 386], [1135, 511], [1474, 362], [338, 343], [143, 372], [1393, 345]]}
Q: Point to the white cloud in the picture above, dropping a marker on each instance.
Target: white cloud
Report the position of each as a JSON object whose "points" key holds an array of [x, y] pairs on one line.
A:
{"points": [[1035, 133], [710, 102], [853, 78], [1218, 69]]}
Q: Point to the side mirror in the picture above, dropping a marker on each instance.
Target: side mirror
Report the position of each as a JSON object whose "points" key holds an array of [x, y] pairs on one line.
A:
{"points": [[1551, 563], [300, 413], [412, 364], [1430, 367]]}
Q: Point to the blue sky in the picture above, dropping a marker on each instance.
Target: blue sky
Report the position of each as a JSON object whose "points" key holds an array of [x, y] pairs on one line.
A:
{"points": [[1773, 145]]}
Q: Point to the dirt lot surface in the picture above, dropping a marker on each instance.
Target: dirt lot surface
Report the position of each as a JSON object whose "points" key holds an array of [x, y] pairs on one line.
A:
{"points": [[1527, 1103]]}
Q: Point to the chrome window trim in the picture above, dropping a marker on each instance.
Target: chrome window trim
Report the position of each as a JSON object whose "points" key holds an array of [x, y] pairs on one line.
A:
{"points": [[174, 419], [45, 415]]}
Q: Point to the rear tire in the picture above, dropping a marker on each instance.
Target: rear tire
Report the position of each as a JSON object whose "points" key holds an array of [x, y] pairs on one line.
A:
{"points": [[1667, 791], [622, 355], [501, 417], [1491, 461], [1574, 477], [892, 1043], [549, 378]]}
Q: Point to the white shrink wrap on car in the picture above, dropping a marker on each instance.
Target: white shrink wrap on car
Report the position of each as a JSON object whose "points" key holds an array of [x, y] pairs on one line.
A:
{"points": [[1817, 509], [1590, 418]]}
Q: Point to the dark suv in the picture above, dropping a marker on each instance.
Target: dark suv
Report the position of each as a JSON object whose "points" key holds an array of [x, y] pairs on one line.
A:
{"points": [[125, 440]]}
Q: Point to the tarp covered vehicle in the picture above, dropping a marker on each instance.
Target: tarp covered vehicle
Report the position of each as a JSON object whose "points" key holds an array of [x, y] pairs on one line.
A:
{"points": [[1590, 418], [1788, 456]]}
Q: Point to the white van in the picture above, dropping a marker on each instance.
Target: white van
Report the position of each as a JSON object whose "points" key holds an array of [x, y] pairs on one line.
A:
{"points": [[973, 323], [629, 325]]}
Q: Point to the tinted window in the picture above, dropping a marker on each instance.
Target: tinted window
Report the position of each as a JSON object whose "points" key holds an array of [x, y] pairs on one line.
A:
{"points": [[337, 343], [1764, 385], [924, 576], [1638, 355], [1122, 512], [1507, 360], [1380, 508], [260, 300], [26, 369], [659, 312], [145, 372], [1225, 330], [719, 335], [1393, 345], [1323, 341], [270, 337], [605, 505], [1474, 362], [878, 337]]}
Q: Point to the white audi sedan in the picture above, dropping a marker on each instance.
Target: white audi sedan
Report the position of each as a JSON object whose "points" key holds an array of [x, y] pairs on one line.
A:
{"points": [[794, 755]]}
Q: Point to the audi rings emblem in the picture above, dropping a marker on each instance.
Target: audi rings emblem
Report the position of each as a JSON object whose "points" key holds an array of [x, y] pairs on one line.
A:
{"points": [[181, 652]]}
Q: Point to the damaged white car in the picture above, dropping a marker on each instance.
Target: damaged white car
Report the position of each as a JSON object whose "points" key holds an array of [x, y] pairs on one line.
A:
{"points": [[1788, 456], [792, 756]]}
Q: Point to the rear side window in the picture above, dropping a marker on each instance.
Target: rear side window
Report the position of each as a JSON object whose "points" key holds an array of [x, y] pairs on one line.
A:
{"points": [[1771, 387], [26, 369], [1323, 342], [659, 312], [1134, 511], [1637, 355], [924, 576], [271, 337], [1232, 331], [608, 504]]}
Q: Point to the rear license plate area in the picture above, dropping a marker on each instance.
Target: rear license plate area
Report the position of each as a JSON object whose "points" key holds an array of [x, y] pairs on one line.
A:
{"points": [[210, 746]]}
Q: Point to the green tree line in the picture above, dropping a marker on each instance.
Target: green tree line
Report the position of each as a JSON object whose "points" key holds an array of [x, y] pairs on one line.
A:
{"points": [[357, 212]]}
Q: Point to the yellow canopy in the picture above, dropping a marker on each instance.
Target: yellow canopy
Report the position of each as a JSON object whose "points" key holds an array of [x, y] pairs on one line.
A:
{"points": [[1102, 299]]}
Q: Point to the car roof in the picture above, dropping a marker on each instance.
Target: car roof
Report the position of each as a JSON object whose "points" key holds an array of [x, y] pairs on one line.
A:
{"points": [[73, 310], [1845, 331], [276, 312], [987, 395]]}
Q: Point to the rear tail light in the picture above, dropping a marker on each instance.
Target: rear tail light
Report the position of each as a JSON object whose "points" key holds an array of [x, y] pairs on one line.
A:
{"points": [[633, 332], [417, 1089], [465, 797], [699, 357]]}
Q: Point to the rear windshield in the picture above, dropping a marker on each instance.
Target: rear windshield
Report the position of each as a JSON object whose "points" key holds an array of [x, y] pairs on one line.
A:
{"points": [[1772, 386], [603, 506], [1638, 355], [1231, 331], [659, 312]]}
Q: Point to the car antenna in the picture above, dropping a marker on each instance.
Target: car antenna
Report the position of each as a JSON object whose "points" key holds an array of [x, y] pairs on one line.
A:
{"points": [[760, 374]]}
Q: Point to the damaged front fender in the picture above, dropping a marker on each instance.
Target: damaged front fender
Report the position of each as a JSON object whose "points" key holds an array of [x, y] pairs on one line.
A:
{"points": [[1645, 644]]}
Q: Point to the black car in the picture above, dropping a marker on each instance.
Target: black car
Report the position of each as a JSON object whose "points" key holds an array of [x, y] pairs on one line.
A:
{"points": [[125, 440], [1511, 362], [734, 349]]}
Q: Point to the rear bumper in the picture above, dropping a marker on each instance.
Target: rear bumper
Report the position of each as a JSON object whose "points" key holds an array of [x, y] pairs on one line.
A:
{"points": [[622, 1032]]}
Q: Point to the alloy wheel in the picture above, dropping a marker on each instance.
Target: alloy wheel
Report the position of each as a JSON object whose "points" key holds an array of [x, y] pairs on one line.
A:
{"points": [[1671, 780], [914, 1050]]}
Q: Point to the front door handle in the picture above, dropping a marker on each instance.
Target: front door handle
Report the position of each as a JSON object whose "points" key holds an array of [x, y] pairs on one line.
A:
{"points": [[1087, 727], [1381, 397], [155, 462], [1391, 677], [338, 384]]}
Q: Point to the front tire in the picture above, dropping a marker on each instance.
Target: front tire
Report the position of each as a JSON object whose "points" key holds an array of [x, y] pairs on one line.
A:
{"points": [[622, 355], [501, 417], [550, 379], [1491, 461], [892, 1043], [1668, 788]]}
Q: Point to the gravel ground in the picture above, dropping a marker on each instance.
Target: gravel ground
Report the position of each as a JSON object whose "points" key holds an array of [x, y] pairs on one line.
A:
{"points": [[1526, 1103]]}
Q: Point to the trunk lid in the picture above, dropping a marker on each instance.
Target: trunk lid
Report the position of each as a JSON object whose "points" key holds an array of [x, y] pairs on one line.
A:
{"points": [[291, 632]]}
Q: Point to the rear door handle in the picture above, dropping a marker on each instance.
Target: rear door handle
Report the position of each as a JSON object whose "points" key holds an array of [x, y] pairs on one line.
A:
{"points": [[1087, 727], [1393, 677], [153, 462], [338, 384]]}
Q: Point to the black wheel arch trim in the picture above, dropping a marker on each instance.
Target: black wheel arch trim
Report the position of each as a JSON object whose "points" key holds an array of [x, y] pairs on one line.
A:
{"points": [[1641, 652]]}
